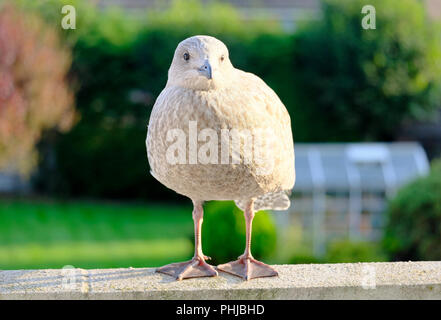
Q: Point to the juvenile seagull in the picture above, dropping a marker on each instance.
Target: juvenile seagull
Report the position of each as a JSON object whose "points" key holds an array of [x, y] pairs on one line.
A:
{"points": [[205, 91]]}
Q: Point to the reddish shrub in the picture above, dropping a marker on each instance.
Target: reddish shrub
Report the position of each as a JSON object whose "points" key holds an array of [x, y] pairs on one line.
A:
{"points": [[34, 92]]}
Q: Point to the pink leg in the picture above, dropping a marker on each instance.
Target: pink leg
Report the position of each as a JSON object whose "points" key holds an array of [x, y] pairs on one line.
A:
{"points": [[196, 267], [246, 266]]}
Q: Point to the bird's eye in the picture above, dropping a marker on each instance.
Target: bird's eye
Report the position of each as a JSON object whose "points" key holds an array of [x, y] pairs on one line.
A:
{"points": [[222, 58], [186, 56]]}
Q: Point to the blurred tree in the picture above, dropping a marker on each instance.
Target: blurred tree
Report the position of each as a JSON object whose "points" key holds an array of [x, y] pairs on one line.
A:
{"points": [[355, 84], [413, 229], [34, 94]]}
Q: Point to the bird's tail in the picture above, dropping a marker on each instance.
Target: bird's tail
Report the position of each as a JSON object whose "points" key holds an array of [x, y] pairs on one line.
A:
{"points": [[269, 201]]}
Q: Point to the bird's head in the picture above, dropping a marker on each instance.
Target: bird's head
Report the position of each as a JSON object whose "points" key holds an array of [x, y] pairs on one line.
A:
{"points": [[200, 63]]}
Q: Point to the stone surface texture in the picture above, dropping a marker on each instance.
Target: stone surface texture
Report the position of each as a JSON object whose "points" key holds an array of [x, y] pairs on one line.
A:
{"points": [[398, 280]]}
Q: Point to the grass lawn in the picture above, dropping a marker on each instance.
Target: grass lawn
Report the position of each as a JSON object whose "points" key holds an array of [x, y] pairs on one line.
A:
{"points": [[51, 234]]}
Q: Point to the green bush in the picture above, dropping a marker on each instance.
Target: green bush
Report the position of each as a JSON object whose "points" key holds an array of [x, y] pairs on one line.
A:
{"points": [[356, 84], [104, 154], [223, 232], [338, 81], [120, 67], [349, 251], [342, 251], [304, 258], [413, 230]]}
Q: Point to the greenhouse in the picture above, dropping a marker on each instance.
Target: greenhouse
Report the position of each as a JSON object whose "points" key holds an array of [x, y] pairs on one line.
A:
{"points": [[341, 188]]}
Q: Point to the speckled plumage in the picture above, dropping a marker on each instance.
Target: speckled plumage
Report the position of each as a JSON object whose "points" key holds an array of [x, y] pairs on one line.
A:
{"points": [[232, 99]]}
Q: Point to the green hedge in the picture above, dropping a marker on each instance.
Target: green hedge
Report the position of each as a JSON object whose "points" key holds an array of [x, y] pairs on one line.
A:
{"points": [[413, 230], [120, 67], [342, 251], [354, 84], [339, 82], [345, 251]]}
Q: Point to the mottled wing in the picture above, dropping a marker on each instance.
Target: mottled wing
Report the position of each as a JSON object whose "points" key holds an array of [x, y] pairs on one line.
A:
{"points": [[278, 117]]}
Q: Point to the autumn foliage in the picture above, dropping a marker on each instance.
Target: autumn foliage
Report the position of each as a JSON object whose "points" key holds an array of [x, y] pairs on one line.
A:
{"points": [[34, 92]]}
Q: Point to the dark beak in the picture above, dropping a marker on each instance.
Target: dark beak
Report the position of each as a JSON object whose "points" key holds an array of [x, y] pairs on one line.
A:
{"points": [[205, 69]]}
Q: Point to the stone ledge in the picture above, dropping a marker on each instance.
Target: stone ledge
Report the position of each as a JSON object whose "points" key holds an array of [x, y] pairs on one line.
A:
{"points": [[398, 280]]}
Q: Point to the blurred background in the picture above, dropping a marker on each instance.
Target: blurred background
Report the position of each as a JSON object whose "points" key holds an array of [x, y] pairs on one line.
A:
{"points": [[365, 105]]}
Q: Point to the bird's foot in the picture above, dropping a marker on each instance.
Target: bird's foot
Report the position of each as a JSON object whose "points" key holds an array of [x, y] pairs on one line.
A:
{"points": [[248, 268], [196, 267]]}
